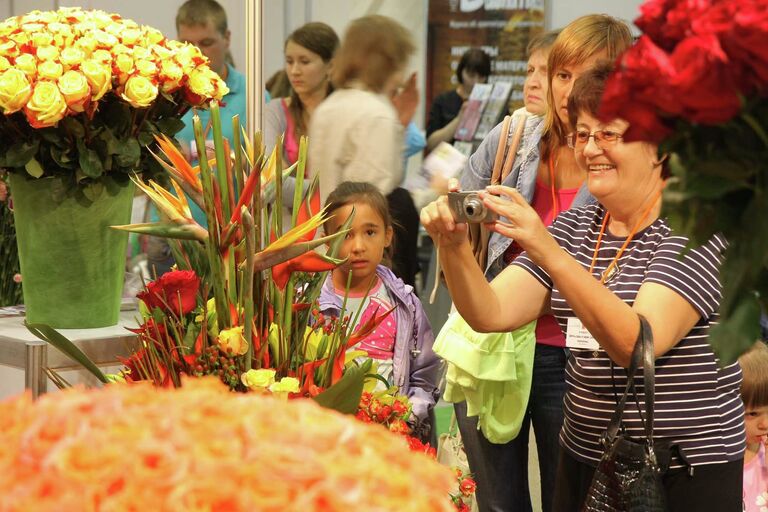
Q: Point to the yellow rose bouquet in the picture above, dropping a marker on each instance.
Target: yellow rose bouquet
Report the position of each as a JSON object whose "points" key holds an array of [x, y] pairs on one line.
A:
{"points": [[82, 96], [82, 93]]}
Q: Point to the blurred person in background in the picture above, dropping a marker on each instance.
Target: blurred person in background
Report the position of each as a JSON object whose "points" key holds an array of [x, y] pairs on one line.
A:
{"points": [[357, 133], [474, 68]]}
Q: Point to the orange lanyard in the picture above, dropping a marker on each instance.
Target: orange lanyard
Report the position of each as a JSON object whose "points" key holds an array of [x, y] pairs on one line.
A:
{"points": [[609, 271], [555, 206]]}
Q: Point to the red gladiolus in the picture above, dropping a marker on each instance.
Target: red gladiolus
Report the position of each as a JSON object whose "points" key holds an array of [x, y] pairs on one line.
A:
{"points": [[174, 292]]}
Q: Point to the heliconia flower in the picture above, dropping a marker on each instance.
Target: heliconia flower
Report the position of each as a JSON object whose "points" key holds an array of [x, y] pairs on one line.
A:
{"points": [[175, 208], [180, 167], [308, 262]]}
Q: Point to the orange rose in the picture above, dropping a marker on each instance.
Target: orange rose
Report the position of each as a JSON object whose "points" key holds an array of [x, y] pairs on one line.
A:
{"points": [[99, 76], [15, 90], [139, 91], [75, 89], [49, 70], [46, 107], [232, 339]]}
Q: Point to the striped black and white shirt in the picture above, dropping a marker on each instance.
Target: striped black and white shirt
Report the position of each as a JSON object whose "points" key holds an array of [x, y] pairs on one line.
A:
{"points": [[698, 404]]}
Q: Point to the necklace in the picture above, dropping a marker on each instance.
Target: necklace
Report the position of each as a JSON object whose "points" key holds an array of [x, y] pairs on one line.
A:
{"points": [[613, 268]]}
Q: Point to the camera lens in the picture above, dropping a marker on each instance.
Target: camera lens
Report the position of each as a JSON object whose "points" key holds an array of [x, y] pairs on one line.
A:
{"points": [[474, 208]]}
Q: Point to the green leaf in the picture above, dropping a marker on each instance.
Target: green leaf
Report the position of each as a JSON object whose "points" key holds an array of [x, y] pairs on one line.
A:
{"points": [[62, 156], [73, 127], [735, 335], [49, 335], [170, 126], [89, 160], [128, 153], [34, 168], [344, 396], [17, 155]]}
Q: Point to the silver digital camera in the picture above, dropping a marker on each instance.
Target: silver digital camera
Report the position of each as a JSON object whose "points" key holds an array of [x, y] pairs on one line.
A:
{"points": [[468, 207]]}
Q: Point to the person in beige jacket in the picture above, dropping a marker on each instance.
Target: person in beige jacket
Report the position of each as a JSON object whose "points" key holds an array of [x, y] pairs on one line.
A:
{"points": [[356, 134]]}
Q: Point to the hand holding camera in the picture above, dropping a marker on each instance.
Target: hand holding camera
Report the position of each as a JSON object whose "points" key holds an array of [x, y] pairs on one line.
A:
{"points": [[468, 207]]}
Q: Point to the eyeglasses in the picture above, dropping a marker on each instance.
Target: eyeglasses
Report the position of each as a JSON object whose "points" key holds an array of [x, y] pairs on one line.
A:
{"points": [[581, 137]]}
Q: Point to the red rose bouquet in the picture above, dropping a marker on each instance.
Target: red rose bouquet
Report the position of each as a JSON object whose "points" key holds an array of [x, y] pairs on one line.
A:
{"points": [[696, 82]]}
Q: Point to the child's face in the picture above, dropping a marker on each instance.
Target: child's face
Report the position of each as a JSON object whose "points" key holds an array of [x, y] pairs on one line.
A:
{"points": [[756, 420], [364, 244]]}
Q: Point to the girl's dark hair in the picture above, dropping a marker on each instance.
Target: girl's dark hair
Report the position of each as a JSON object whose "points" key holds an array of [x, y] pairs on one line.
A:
{"points": [[318, 38], [474, 60], [754, 367], [586, 95], [349, 192]]}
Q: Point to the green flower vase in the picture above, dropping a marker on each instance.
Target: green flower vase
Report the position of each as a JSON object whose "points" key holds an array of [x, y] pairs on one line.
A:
{"points": [[72, 263]]}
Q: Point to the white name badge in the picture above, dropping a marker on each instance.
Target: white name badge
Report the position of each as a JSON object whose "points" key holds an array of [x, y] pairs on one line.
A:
{"points": [[577, 336]]}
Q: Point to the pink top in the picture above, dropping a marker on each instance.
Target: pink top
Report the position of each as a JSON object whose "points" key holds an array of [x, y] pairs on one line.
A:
{"points": [[756, 483], [380, 344], [290, 142], [548, 331]]}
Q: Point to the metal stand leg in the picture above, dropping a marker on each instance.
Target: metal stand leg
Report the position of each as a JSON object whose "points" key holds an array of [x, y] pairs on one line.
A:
{"points": [[34, 376]]}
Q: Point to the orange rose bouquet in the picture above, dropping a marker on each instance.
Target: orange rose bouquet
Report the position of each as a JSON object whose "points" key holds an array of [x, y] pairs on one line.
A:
{"points": [[82, 93]]}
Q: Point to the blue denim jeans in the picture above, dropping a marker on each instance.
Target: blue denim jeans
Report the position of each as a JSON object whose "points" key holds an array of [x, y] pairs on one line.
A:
{"points": [[501, 470]]}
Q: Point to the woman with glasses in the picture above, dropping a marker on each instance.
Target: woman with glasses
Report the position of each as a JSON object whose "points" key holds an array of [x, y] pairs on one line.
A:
{"points": [[596, 269], [546, 174]]}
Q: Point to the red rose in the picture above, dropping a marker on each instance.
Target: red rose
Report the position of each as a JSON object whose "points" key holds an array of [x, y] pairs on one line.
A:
{"points": [[640, 91], [174, 292], [384, 413], [704, 84], [668, 22], [742, 28], [467, 486]]}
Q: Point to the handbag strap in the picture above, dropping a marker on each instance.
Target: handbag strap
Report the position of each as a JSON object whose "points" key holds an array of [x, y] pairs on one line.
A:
{"points": [[506, 153], [642, 352]]}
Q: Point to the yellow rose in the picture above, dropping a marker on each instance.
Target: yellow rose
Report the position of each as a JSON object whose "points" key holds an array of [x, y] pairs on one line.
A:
{"points": [[4, 64], [104, 39], [41, 39], [171, 75], [87, 44], [75, 89], [46, 107], [146, 68], [152, 36], [99, 76], [47, 53], [31, 28], [20, 38], [130, 36], [233, 339], [72, 56], [285, 386], [49, 70], [205, 83], [120, 48], [28, 64], [123, 67], [161, 52], [8, 49], [102, 56], [15, 90], [258, 380], [139, 53]]}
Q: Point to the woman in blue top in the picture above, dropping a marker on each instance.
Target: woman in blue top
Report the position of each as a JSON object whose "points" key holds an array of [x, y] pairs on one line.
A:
{"points": [[546, 175]]}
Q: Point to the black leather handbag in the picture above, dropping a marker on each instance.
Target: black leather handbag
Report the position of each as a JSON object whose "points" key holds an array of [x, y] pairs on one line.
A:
{"points": [[628, 477]]}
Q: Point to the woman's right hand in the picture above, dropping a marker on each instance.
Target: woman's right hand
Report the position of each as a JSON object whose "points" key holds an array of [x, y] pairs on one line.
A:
{"points": [[438, 220]]}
